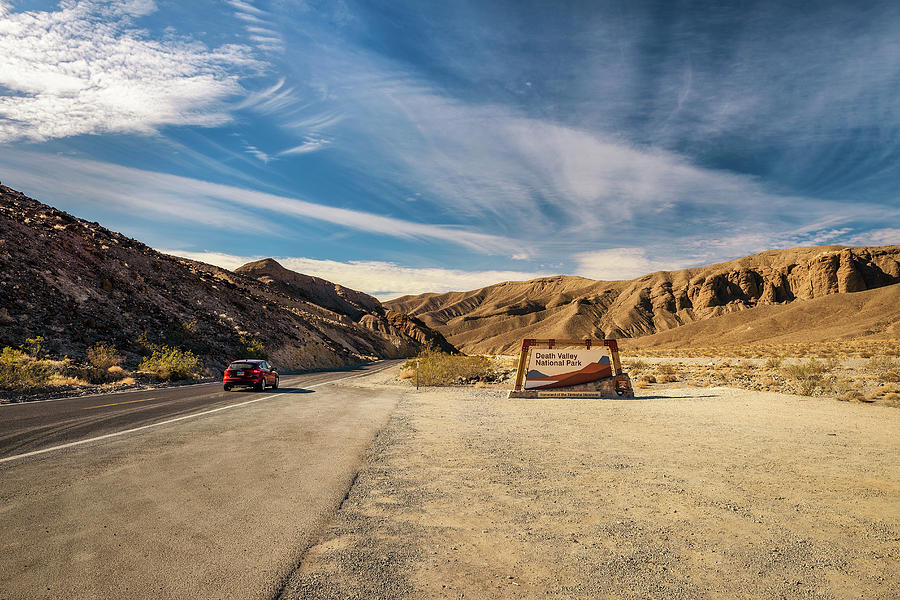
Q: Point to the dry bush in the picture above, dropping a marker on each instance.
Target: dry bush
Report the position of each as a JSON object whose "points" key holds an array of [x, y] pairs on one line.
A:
{"points": [[57, 380], [888, 394], [645, 380], [666, 373], [103, 364], [808, 376], [773, 362], [883, 368], [127, 381], [635, 365], [438, 369], [851, 396], [103, 356], [844, 348]]}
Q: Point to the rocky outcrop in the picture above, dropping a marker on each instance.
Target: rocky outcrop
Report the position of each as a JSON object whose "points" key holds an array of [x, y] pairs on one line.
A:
{"points": [[76, 283], [312, 289], [407, 334], [496, 318]]}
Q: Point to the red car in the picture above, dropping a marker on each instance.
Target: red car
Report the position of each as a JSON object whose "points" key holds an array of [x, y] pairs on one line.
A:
{"points": [[251, 372]]}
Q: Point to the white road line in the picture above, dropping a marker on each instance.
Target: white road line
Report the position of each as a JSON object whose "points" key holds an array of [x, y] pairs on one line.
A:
{"points": [[175, 420]]}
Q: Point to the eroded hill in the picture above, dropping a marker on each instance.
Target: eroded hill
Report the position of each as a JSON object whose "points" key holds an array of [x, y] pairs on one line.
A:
{"points": [[495, 318], [76, 283]]}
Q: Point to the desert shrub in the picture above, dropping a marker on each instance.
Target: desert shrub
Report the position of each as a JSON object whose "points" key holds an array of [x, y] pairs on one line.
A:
{"points": [[440, 369], [773, 362], [12, 365], [851, 396], [884, 368], [636, 365], [666, 373], [33, 346], [103, 364], [888, 394], [21, 370], [190, 326], [57, 380], [169, 363], [103, 356], [253, 348], [808, 376]]}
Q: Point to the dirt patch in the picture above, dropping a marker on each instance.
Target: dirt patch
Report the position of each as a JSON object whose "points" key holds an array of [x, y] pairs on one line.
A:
{"points": [[690, 493]]}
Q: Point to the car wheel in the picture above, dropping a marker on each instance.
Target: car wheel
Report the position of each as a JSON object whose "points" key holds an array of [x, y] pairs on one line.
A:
{"points": [[275, 387], [227, 388], [261, 386]]}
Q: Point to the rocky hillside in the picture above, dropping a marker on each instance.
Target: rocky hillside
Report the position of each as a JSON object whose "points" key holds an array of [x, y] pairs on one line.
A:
{"points": [[497, 317], [352, 307], [76, 283]]}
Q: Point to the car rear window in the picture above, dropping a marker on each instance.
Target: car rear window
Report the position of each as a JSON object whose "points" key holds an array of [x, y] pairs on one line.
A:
{"points": [[241, 365]]}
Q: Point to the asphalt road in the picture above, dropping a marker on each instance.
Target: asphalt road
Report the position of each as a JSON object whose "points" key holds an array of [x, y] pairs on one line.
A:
{"points": [[220, 502], [34, 426]]}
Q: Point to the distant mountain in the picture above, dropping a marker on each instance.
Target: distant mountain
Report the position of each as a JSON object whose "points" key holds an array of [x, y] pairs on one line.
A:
{"points": [[76, 283], [807, 283], [407, 333]]}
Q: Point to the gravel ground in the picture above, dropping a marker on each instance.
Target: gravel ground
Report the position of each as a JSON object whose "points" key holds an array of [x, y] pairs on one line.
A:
{"points": [[689, 493]]}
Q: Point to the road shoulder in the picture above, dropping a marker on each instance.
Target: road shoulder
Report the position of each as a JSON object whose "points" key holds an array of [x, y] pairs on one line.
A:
{"points": [[692, 493]]}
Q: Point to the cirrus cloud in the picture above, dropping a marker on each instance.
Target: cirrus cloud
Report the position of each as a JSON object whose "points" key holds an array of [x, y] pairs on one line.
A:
{"points": [[384, 280], [85, 69]]}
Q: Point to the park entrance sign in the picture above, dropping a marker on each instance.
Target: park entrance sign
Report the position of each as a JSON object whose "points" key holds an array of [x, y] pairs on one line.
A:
{"points": [[585, 368]]}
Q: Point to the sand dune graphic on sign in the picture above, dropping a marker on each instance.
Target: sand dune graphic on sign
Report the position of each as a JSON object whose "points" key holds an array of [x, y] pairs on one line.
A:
{"points": [[592, 372]]}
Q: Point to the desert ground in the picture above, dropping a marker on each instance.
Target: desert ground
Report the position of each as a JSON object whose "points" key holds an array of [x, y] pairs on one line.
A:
{"points": [[683, 492]]}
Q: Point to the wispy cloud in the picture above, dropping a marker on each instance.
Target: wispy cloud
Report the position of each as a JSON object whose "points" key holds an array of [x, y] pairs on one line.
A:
{"points": [[270, 100], [384, 280], [167, 196], [254, 151], [260, 27], [878, 237], [526, 174], [310, 144], [84, 69], [623, 263]]}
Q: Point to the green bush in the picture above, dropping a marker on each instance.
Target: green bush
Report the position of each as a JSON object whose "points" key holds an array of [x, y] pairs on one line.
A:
{"points": [[169, 363], [20, 370], [253, 348]]}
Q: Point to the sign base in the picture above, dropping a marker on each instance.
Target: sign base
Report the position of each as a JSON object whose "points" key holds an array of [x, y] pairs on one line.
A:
{"points": [[610, 387]]}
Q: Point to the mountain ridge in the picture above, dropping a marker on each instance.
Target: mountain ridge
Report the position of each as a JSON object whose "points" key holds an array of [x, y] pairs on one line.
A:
{"points": [[495, 318]]}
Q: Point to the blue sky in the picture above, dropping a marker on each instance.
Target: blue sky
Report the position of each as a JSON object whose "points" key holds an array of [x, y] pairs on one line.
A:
{"points": [[403, 147]]}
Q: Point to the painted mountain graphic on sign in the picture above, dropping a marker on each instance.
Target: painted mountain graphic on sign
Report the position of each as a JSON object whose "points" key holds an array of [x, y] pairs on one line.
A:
{"points": [[592, 372], [534, 374]]}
